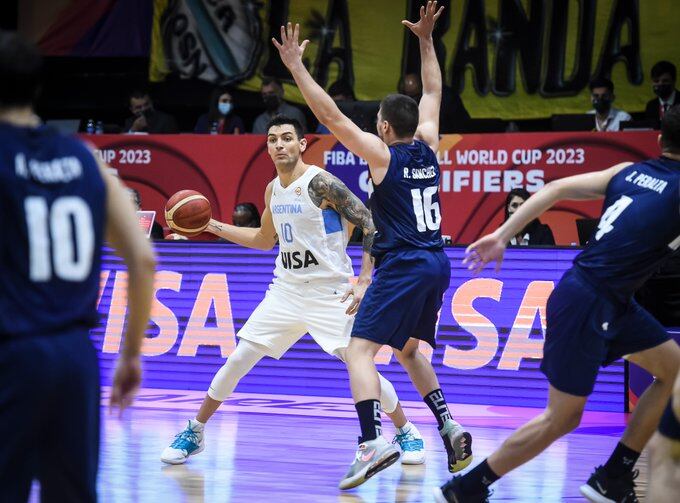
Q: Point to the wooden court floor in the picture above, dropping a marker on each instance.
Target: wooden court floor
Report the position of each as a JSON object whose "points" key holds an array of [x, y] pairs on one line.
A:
{"points": [[263, 448]]}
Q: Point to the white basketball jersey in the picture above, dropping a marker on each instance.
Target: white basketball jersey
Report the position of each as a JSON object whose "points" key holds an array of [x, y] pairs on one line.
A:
{"points": [[312, 241]]}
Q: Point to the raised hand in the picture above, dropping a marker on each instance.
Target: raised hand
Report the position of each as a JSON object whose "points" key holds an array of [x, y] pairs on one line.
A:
{"points": [[289, 48], [487, 249], [428, 16]]}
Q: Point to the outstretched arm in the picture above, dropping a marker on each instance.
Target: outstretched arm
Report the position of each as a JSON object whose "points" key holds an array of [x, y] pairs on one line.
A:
{"points": [[260, 238], [365, 145], [123, 233], [579, 187], [430, 74], [325, 187]]}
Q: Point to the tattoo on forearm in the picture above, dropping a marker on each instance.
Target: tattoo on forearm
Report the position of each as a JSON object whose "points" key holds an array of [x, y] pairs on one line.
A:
{"points": [[326, 187]]}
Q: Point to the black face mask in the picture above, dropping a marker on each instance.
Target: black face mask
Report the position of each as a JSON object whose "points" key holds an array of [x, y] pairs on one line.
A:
{"points": [[271, 102], [602, 105], [663, 91]]}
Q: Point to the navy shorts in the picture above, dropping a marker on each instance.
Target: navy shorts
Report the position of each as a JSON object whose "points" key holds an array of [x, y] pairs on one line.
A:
{"points": [[405, 298], [587, 329], [670, 425], [49, 417]]}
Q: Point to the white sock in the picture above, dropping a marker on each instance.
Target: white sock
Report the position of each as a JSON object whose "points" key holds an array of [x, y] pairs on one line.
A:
{"points": [[406, 428], [196, 425]]}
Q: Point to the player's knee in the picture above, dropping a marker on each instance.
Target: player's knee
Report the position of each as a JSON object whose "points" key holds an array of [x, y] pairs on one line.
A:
{"points": [[388, 395], [563, 422], [360, 348], [407, 356], [556, 424], [667, 373], [665, 364]]}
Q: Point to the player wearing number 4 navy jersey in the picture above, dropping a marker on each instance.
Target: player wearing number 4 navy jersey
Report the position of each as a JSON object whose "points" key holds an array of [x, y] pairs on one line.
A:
{"points": [[56, 203], [592, 318], [400, 307]]}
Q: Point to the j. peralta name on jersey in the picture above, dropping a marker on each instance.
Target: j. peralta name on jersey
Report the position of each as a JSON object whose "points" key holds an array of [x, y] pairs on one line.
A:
{"points": [[647, 182]]}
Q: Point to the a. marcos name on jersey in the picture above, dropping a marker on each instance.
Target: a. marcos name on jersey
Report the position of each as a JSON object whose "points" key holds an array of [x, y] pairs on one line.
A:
{"points": [[59, 170], [298, 260], [420, 173], [647, 182]]}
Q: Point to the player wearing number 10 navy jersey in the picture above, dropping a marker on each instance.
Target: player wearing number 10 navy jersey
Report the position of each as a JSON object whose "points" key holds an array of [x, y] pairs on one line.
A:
{"points": [[56, 203], [400, 307], [592, 318]]}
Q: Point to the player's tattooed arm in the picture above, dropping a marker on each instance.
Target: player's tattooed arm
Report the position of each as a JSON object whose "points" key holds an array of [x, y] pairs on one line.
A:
{"points": [[326, 187]]}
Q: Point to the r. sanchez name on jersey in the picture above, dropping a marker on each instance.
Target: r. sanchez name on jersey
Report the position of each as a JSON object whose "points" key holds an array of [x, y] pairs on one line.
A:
{"points": [[312, 241], [405, 205], [639, 227]]}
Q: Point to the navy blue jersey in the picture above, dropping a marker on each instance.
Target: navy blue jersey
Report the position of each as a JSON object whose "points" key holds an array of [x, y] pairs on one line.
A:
{"points": [[639, 227], [52, 202], [405, 206]]}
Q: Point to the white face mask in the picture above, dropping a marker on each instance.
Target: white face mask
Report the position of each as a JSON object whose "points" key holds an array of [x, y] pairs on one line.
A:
{"points": [[224, 108]]}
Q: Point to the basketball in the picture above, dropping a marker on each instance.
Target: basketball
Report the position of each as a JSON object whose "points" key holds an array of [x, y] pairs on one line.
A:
{"points": [[188, 212]]}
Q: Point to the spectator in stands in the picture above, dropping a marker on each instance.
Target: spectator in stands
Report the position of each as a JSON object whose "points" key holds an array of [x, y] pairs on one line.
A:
{"points": [[607, 118], [220, 117], [156, 229], [453, 116], [145, 118], [535, 233], [246, 215], [339, 91], [663, 84], [272, 96]]}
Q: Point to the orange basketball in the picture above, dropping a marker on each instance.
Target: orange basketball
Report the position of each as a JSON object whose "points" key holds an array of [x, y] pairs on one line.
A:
{"points": [[188, 212]]}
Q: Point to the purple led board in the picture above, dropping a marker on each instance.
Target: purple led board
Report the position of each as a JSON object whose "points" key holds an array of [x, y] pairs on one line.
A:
{"points": [[490, 333]]}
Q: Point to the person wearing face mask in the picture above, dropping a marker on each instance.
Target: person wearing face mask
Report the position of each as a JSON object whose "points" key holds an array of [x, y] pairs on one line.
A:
{"points": [[663, 85], [535, 233], [607, 118], [220, 115], [272, 97], [145, 118]]}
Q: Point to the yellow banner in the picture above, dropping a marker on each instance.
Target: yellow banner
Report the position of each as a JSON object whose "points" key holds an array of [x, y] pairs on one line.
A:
{"points": [[511, 58]]}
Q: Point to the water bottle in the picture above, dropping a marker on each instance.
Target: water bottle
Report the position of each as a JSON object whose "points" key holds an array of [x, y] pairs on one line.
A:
{"points": [[89, 128], [213, 127], [99, 128]]}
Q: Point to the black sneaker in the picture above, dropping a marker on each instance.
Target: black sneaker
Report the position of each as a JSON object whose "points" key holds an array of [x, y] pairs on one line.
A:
{"points": [[451, 493], [601, 488]]}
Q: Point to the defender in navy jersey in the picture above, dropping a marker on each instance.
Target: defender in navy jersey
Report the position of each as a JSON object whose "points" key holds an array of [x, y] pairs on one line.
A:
{"points": [[307, 210], [400, 307], [56, 203], [592, 318]]}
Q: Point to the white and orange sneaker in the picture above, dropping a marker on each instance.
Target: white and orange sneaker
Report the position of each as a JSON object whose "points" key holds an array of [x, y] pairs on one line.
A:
{"points": [[371, 457]]}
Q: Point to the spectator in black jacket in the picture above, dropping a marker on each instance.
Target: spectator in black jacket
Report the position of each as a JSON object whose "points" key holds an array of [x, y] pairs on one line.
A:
{"points": [[535, 233], [220, 115], [663, 84], [146, 119]]}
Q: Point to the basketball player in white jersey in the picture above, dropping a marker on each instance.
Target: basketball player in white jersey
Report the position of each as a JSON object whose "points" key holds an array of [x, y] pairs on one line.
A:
{"points": [[308, 210]]}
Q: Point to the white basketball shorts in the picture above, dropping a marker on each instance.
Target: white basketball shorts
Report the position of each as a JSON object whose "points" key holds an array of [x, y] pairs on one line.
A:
{"points": [[289, 311]]}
